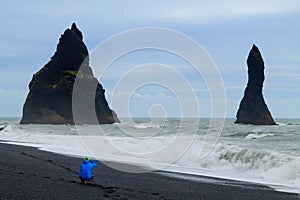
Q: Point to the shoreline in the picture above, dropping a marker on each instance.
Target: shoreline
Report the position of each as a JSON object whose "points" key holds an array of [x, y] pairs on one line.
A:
{"points": [[167, 172], [27, 172]]}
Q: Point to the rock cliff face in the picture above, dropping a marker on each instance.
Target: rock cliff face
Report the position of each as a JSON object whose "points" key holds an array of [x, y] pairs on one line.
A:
{"points": [[253, 109], [50, 97]]}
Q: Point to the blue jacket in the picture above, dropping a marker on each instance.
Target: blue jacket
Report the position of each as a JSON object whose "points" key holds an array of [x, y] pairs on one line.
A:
{"points": [[85, 170]]}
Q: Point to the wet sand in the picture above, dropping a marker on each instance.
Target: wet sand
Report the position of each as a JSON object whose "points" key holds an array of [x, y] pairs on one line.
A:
{"points": [[29, 173]]}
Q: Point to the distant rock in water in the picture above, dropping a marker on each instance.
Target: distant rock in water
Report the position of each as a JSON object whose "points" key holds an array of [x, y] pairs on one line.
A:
{"points": [[2, 128], [50, 97], [253, 109]]}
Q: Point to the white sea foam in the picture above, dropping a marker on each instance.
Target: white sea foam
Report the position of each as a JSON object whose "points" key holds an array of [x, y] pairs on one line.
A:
{"points": [[259, 135], [246, 164], [49, 141], [146, 125], [7, 128]]}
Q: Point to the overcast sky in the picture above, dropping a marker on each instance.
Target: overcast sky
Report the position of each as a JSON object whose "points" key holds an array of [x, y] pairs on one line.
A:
{"points": [[225, 29]]}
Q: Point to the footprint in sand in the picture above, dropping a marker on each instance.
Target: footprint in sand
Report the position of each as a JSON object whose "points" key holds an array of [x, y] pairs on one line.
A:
{"points": [[110, 191], [72, 181]]}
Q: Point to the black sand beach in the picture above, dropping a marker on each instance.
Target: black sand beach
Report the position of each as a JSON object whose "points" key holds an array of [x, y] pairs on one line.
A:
{"points": [[28, 173]]}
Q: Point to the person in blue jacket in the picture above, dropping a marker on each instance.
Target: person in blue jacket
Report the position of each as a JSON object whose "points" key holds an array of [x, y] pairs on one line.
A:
{"points": [[85, 173]]}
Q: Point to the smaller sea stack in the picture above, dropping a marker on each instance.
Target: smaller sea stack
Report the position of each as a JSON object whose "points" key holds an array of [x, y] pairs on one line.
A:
{"points": [[253, 109]]}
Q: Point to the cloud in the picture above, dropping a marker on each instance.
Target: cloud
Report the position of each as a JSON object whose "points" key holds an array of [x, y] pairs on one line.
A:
{"points": [[12, 93], [235, 87], [215, 10], [11, 102], [140, 104], [143, 11], [286, 73]]}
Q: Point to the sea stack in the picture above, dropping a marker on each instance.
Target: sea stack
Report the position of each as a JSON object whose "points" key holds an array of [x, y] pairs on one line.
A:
{"points": [[49, 100], [253, 109]]}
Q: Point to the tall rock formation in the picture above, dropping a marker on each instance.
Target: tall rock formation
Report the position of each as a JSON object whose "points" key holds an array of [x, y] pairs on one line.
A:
{"points": [[253, 109], [50, 97]]}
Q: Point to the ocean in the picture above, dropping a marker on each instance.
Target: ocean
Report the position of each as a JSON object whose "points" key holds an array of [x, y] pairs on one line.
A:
{"points": [[261, 154]]}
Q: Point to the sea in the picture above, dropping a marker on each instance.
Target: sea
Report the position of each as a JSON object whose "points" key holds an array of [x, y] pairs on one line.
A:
{"points": [[267, 155]]}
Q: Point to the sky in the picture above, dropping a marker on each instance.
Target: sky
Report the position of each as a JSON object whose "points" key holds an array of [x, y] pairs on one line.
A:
{"points": [[226, 30]]}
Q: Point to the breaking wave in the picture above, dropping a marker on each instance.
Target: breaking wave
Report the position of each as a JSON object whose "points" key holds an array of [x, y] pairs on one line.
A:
{"points": [[145, 125], [258, 135], [248, 164]]}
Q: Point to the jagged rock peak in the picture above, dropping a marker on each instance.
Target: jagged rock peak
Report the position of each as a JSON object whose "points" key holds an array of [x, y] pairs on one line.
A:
{"points": [[256, 68], [76, 31], [253, 109], [73, 26], [71, 50]]}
